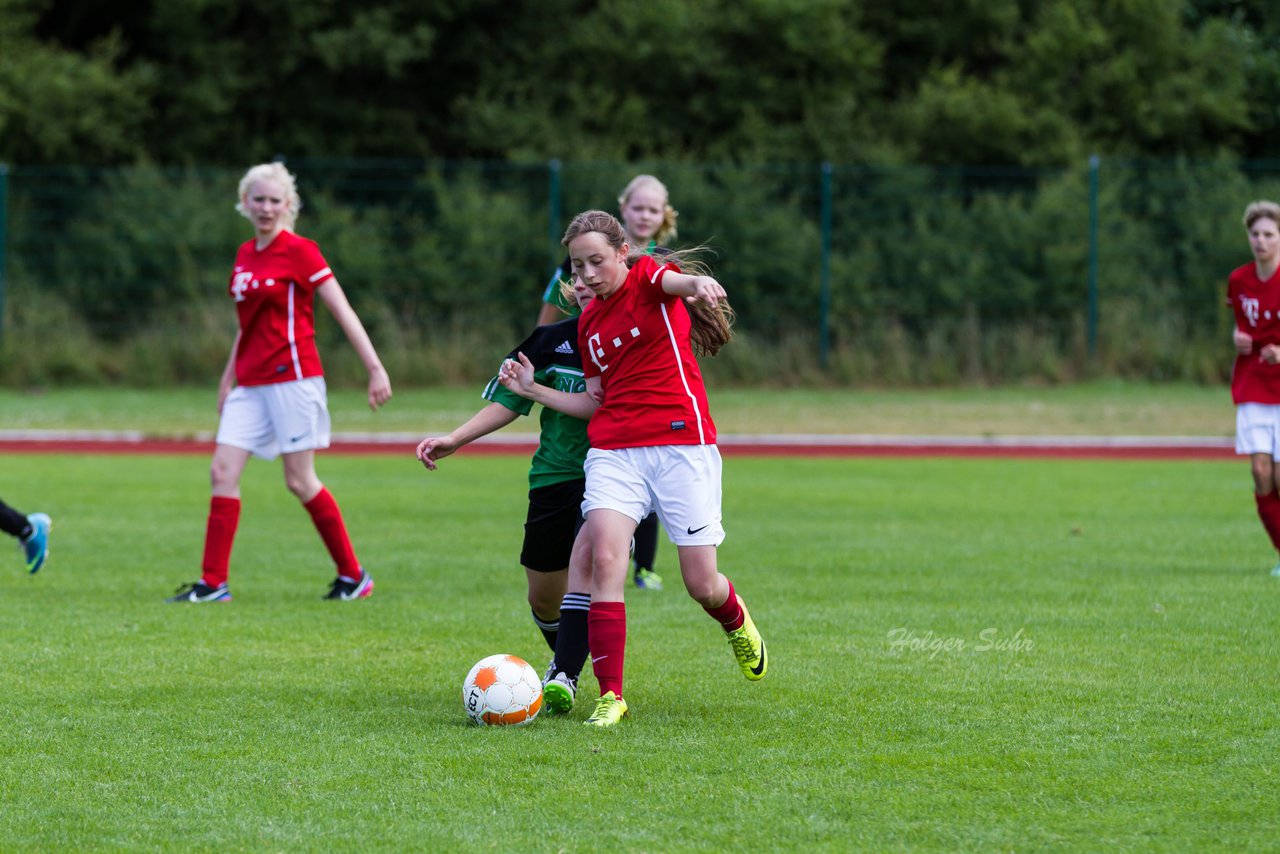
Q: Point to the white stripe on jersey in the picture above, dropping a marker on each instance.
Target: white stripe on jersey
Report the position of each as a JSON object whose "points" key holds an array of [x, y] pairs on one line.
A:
{"points": [[315, 277], [293, 341], [675, 348]]}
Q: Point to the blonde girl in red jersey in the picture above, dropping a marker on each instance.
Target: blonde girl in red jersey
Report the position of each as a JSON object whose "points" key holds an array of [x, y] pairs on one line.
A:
{"points": [[651, 434], [1253, 291], [272, 398]]}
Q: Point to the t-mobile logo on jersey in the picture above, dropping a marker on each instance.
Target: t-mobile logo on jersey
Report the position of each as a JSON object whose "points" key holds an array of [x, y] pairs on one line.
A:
{"points": [[240, 284], [598, 351], [1250, 309], [243, 282]]}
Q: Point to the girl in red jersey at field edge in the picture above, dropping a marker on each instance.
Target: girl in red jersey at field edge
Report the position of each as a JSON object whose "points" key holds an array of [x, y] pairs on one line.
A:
{"points": [[651, 434], [1253, 291], [272, 397]]}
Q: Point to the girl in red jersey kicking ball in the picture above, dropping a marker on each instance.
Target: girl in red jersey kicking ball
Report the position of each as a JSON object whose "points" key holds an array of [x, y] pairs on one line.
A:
{"points": [[651, 434], [649, 222], [272, 397], [1253, 291]]}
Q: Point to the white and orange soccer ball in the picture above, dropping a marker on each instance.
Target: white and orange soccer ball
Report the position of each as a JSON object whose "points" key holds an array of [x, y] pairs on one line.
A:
{"points": [[502, 690]]}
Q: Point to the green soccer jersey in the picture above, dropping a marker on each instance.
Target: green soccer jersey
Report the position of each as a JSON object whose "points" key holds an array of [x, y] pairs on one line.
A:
{"points": [[562, 442]]}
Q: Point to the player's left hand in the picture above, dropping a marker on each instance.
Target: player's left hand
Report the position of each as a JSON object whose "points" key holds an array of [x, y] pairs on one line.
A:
{"points": [[708, 290], [379, 387]]}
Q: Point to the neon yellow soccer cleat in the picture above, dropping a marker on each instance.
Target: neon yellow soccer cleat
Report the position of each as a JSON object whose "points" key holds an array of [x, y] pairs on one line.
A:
{"points": [[748, 647], [609, 710]]}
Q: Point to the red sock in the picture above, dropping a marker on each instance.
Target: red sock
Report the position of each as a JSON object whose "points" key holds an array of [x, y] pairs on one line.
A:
{"points": [[728, 614], [607, 639], [1269, 512], [328, 521], [219, 534]]}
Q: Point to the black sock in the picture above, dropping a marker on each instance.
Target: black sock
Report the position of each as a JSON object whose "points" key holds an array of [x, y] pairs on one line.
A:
{"points": [[13, 522], [549, 628], [646, 540], [571, 643]]}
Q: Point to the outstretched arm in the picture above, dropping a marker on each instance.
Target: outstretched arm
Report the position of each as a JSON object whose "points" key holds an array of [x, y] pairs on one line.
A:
{"points": [[516, 375], [697, 288], [493, 417], [336, 300]]}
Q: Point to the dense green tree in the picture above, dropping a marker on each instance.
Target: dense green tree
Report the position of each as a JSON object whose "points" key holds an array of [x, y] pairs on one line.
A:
{"points": [[65, 105], [968, 82]]}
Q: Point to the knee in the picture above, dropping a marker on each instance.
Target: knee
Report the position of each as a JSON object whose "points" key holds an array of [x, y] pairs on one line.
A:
{"points": [[303, 487], [1263, 475], [704, 592], [605, 555], [221, 475], [545, 605]]}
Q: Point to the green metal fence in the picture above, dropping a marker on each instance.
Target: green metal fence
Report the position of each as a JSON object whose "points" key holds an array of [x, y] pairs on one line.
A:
{"points": [[911, 273]]}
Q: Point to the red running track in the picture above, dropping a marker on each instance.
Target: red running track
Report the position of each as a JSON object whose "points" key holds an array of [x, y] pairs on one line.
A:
{"points": [[1119, 448]]}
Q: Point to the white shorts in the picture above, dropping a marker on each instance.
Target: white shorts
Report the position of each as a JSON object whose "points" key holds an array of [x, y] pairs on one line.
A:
{"points": [[268, 420], [1258, 429], [680, 482]]}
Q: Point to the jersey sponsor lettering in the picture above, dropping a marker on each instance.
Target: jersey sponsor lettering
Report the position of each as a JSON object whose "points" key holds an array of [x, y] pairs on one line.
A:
{"points": [[1249, 308]]}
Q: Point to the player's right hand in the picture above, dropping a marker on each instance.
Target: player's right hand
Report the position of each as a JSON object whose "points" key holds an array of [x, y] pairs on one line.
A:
{"points": [[224, 390], [432, 449], [1243, 341], [517, 376]]}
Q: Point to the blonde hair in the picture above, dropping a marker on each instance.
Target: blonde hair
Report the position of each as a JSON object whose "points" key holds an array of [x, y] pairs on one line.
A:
{"points": [[712, 326], [667, 230], [282, 176], [1260, 209]]}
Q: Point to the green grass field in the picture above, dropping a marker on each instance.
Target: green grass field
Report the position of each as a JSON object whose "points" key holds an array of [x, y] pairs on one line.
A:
{"points": [[1127, 703], [1097, 408]]}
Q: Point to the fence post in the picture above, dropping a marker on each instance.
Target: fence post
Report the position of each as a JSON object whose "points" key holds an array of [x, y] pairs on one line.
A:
{"points": [[553, 211], [1094, 164], [824, 299], [4, 238]]}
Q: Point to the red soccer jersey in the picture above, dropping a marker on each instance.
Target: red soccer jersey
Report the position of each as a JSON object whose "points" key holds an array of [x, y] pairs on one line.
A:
{"points": [[637, 342], [1257, 309], [274, 290]]}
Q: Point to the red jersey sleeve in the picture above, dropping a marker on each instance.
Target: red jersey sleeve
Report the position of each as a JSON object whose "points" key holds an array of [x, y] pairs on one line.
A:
{"points": [[310, 269], [651, 274]]}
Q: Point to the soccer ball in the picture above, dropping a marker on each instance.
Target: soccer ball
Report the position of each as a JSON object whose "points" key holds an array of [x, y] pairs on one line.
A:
{"points": [[502, 690]]}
